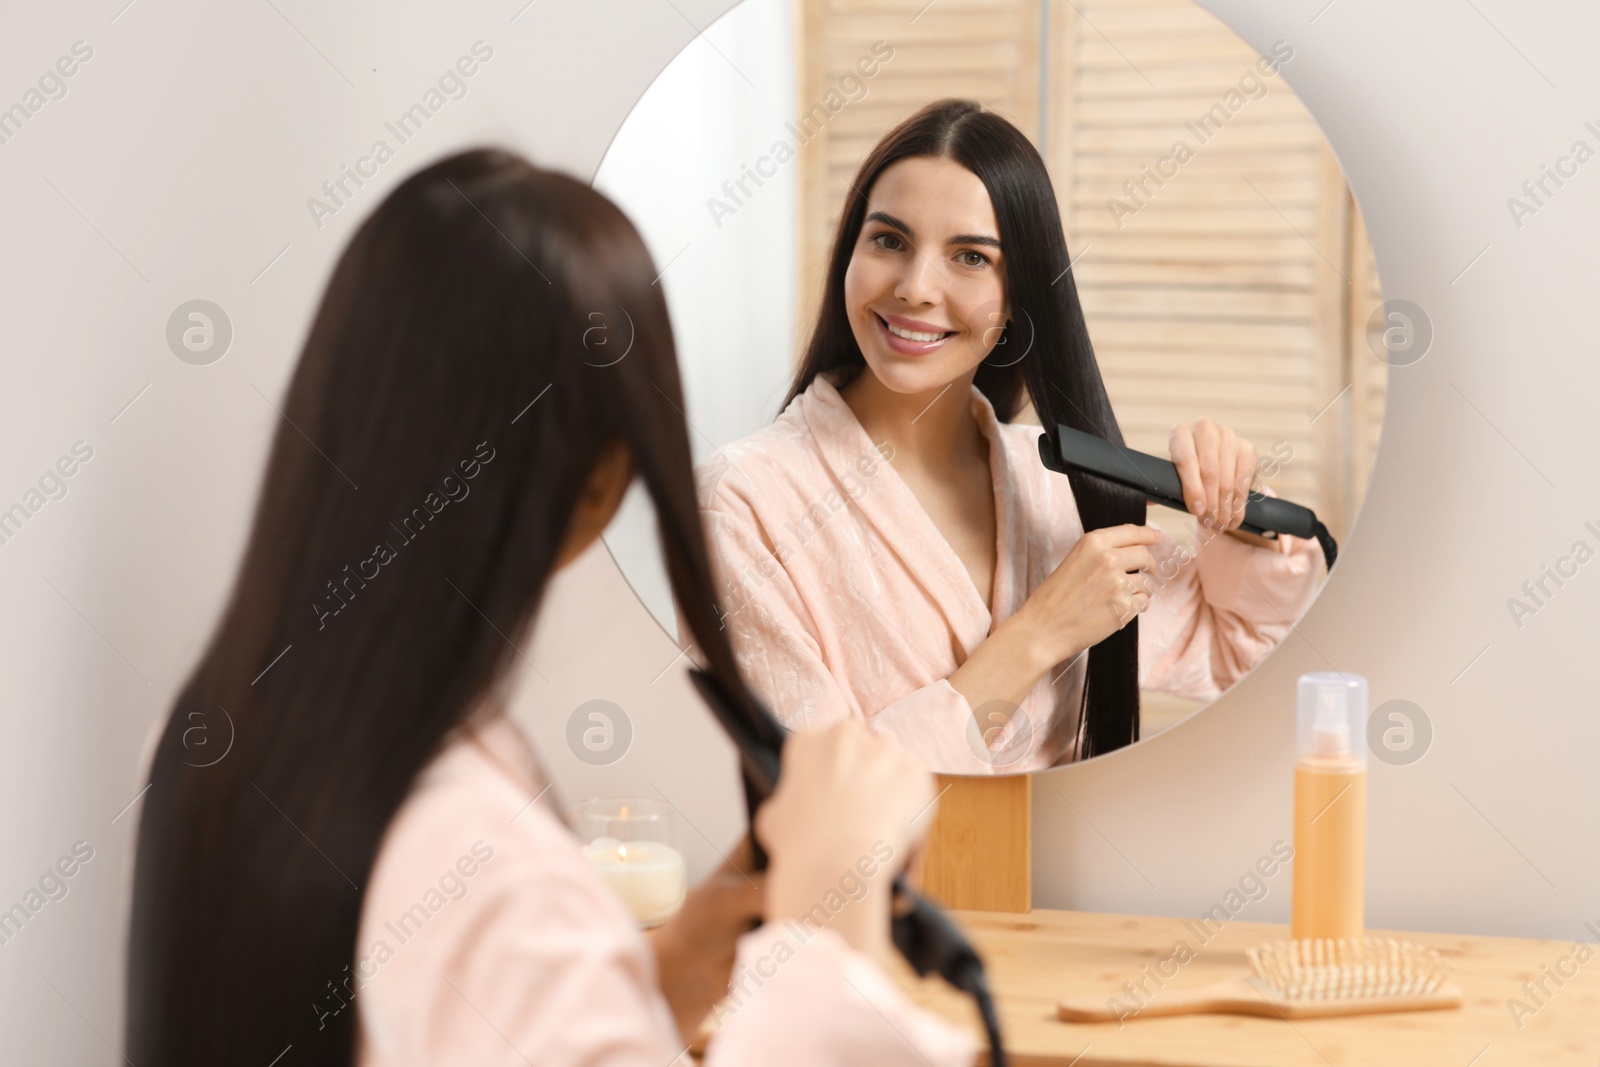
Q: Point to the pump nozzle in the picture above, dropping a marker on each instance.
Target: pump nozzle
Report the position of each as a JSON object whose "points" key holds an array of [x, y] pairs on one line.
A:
{"points": [[1332, 714]]}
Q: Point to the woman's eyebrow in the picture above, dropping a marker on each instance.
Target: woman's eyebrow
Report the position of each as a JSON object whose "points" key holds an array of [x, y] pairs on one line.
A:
{"points": [[974, 239], [890, 221], [959, 239]]}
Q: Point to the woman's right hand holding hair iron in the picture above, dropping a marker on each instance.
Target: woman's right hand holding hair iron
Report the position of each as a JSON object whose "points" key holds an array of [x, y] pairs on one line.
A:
{"points": [[1101, 584], [851, 810]]}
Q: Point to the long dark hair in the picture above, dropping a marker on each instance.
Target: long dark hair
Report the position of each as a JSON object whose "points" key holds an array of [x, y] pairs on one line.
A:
{"points": [[490, 330], [1058, 368]]}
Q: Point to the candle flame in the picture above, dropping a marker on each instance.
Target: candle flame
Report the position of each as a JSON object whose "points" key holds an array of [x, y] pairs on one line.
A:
{"points": [[622, 853]]}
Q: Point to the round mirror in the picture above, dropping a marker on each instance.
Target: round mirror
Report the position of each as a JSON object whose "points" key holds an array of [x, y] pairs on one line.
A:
{"points": [[1232, 310]]}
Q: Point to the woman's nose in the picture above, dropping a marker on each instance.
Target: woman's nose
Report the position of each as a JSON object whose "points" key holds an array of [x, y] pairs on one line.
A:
{"points": [[919, 280]]}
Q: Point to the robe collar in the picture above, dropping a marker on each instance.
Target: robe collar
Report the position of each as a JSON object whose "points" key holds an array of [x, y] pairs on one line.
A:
{"points": [[904, 524]]}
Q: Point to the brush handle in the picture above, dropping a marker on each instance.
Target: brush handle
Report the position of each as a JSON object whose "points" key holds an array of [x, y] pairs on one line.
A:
{"points": [[1243, 996]]}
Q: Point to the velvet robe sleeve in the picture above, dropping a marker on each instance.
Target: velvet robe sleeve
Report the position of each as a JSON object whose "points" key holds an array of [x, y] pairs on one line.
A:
{"points": [[1219, 610]]}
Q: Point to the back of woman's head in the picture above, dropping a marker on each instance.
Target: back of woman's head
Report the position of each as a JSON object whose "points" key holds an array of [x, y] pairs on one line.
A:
{"points": [[1043, 351], [488, 332]]}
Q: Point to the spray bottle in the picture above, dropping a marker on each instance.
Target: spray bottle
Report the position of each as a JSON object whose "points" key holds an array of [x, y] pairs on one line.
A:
{"points": [[1330, 808]]}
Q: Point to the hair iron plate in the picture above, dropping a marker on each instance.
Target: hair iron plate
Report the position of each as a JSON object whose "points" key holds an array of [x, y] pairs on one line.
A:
{"points": [[1157, 479]]}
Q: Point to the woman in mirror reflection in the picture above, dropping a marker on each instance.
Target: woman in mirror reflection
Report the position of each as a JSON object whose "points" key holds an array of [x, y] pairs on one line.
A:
{"points": [[375, 870], [891, 548]]}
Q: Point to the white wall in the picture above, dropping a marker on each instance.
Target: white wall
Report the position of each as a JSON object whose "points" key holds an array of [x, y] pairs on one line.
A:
{"points": [[184, 153]]}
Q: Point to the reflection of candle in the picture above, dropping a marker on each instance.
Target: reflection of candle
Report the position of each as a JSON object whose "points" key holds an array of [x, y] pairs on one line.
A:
{"points": [[649, 876]]}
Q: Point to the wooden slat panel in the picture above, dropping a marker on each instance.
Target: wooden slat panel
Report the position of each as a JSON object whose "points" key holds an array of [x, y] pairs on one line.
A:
{"points": [[1225, 367], [901, 98], [1096, 271], [1332, 344], [1244, 134], [1177, 108], [1282, 193], [1213, 165], [852, 8], [1198, 303], [945, 27], [1225, 286], [1156, 56], [1122, 22], [1369, 376], [1244, 220], [1145, 242], [1207, 80]]}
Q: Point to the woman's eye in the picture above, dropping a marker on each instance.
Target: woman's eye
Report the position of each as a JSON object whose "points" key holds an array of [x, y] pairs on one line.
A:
{"points": [[889, 242], [972, 259]]}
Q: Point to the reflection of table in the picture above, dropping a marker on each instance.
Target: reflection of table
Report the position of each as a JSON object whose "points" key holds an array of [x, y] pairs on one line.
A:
{"points": [[1036, 958]]}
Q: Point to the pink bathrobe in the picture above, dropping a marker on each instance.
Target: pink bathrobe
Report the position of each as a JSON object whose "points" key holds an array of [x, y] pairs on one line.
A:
{"points": [[486, 939], [841, 596]]}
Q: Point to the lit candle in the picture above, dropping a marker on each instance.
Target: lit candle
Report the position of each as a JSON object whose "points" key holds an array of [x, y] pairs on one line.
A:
{"points": [[649, 876]]}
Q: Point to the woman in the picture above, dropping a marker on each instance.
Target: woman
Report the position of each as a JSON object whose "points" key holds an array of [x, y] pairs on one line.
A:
{"points": [[892, 549], [375, 872]]}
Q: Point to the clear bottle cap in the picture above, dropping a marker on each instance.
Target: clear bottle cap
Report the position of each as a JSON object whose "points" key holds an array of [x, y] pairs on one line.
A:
{"points": [[1333, 716]]}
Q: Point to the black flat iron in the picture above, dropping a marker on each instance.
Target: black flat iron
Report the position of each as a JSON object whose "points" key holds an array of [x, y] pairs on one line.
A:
{"points": [[1158, 480], [927, 937]]}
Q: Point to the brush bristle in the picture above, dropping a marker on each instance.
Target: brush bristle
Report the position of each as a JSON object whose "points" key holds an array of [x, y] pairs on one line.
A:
{"points": [[1347, 969]]}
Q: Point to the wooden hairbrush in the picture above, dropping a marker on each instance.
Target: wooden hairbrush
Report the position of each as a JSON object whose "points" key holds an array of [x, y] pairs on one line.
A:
{"points": [[1304, 979]]}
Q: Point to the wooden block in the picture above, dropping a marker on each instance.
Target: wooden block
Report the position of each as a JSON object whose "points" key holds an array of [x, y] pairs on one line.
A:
{"points": [[979, 852]]}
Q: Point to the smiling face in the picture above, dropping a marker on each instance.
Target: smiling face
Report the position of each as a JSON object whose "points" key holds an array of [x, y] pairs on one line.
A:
{"points": [[925, 289]]}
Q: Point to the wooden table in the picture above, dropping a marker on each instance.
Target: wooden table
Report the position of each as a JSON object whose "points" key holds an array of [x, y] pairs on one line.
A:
{"points": [[1036, 958]]}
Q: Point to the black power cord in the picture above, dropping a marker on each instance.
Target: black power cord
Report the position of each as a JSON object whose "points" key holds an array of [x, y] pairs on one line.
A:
{"points": [[931, 942], [1330, 550]]}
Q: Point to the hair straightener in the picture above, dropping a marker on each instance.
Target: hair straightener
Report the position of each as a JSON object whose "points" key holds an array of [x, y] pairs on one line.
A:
{"points": [[928, 939], [1157, 479]]}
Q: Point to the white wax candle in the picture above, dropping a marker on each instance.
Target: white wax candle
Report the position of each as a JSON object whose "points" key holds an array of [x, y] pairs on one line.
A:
{"points": [[649, 876]]}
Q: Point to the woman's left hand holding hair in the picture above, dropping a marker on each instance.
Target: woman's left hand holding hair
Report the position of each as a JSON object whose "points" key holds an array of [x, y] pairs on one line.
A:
{"points": [[695, 949], [1218, 469]]}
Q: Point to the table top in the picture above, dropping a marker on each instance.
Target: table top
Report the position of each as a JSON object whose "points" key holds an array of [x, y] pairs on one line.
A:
{"points": [[1035, 959]]}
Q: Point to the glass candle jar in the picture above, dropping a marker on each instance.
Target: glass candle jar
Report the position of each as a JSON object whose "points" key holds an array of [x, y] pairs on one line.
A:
{"points": [[632, 843]]}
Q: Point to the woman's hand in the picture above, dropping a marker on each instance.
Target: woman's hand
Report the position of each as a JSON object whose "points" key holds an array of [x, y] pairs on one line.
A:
{"points": [[695, 949], [850, 810], [1102, 583], [1218, 470]]}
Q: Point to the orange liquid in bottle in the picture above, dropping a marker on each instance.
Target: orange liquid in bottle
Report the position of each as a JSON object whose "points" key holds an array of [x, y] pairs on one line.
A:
{"points": [[1330, 819]]}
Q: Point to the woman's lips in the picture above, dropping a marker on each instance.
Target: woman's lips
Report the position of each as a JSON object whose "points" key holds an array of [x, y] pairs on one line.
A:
{"points": [[905, 345]]}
